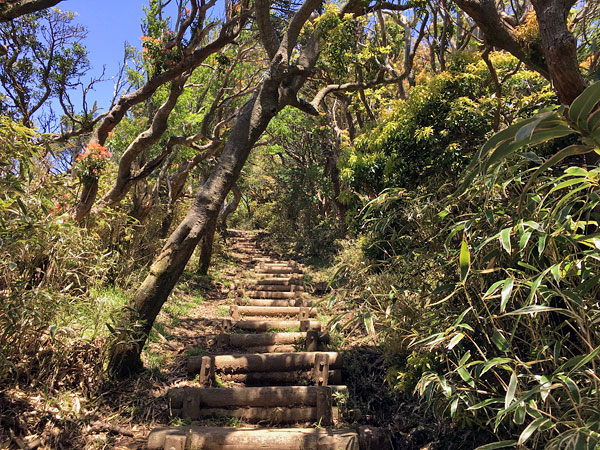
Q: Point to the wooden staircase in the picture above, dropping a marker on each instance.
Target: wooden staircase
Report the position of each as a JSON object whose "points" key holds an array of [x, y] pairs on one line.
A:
{"points": [[276, 367]]}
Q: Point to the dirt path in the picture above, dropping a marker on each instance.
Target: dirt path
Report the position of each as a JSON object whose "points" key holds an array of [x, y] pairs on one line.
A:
{"points": [[263, 378]]}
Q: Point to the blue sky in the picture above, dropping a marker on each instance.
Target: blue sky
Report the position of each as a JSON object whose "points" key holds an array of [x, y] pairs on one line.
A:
{"points": [[110, 23]]}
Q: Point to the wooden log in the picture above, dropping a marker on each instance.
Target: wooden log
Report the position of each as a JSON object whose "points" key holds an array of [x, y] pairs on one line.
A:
{"points": [[292, 378], [267, 325], [226, 438], [277, 287], [275, 311], [276, 348], [252, 415], [253, 340], [278, 271], [257, 362], [270, 294], [247, 396], [275, 281], [275, 302]]}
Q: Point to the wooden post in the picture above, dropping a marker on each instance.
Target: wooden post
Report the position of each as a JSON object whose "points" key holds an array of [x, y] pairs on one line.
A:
{"points": [[312, 340], [207, 370], [304, 325], [235, 313], [324, 406], [304, 313], [321, 369]]}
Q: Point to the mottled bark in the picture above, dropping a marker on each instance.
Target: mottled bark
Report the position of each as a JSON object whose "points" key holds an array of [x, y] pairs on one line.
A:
{"points": [[229, 208], [560, 48], [499, 31], [12, 9], [169, 265], [206, 245]]}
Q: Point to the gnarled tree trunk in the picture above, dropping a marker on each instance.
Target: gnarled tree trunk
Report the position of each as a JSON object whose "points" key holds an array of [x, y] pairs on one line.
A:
{"points": [[169, 265]]}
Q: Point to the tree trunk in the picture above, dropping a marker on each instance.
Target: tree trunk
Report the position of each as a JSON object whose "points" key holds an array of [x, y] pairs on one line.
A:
{"points": [[12, 9], [229, 208], [206, 245], [170, 263], [560, 48]]}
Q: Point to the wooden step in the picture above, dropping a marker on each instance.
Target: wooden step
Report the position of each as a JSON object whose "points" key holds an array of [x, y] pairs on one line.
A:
{"points": [[275, 348], [267, 325], [262, 362], [268, 271], [280, 414], [281, 281], [276, 342], [271, 294], [253, 340], [287, 378], [220, 438], [275, 302], [271, 311], [276, 287], [247, 396], [275, 404]]}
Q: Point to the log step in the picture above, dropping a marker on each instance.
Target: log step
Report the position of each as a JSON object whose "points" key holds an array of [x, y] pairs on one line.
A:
{"points": [[275, 348], [274, 281], [272, 310], [268, 325], [275, 302], [280, 414], [270, 294], [290, 378], [277, 287], [268, 271], [246, 396], [262, 362], [220, 438], [254, 340]]}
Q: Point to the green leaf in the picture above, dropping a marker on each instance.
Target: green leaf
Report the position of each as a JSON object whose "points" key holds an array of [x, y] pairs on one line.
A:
{"points": [[584, 104], [466, 376], [506, 291], [571, 386], [493, 288], [455, 340], [368, 320], [505, 239], [500, 341], [495, 445], [524, 239], [485, 403], [510, 392], [526, 131], [454, 406], [531, 309], [555, 270], [464, 260], [531, 428], [519, 415]]}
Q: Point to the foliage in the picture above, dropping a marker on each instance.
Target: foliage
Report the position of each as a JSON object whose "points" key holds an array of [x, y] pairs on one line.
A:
{"points": [[507, 309], [45, 60], [432, 134]]}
